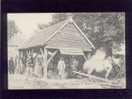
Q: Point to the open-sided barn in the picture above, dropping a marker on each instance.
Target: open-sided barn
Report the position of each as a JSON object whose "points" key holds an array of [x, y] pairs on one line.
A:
{"points": [[64, 37]]}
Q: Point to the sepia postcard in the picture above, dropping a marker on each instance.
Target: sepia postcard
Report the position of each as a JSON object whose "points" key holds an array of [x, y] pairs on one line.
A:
{"points": [[66, 50]]}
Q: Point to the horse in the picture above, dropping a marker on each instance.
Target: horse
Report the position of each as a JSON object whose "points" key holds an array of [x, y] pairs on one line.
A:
{"points": [[98, 62]]}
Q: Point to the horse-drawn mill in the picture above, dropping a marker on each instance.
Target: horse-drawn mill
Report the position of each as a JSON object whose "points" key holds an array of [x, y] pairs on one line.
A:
{"points": [[62, 44]]}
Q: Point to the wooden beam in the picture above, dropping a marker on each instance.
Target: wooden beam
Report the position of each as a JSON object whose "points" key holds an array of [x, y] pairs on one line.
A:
{"points": [[57, 31], [42, 52], [51, 57], [20, 57], [44, 55], [27, 53], [91, 76], [45, 63], [85, 57], [83, 34], [105, 82], [50, 53], [32, 51]]}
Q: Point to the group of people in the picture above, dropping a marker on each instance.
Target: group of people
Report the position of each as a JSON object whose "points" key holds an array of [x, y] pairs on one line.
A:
{"points": [[34, 66], [30, 66]]}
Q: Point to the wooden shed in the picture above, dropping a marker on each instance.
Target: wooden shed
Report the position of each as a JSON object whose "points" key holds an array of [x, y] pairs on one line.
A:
{"points": [[64, 37]]}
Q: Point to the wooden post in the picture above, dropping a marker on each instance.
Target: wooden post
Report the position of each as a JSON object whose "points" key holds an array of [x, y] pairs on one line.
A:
{"points": [[27, 52], [85, 57], [45, 63], [31, 52], [19, 61], [44, 55]]}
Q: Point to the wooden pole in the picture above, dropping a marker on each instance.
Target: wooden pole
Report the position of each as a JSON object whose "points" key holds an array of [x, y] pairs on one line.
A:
{"points": [[92, 76], [45, 63], [44, 55], [85, 57], [104, 82], [27, 53], [19, 62]]}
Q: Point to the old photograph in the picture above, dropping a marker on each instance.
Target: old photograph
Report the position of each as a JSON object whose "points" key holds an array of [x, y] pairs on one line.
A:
{"points": [[66, 50]]}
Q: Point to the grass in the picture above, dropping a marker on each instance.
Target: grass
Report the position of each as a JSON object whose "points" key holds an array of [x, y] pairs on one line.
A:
{"points": [[30, 82]]}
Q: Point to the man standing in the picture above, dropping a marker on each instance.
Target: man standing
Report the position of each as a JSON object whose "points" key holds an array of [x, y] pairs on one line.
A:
{"points": [[61, 68], [11, 66]]}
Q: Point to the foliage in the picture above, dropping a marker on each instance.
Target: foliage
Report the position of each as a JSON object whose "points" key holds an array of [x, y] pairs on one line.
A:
{"points": [[12, 29], [103, 29]]}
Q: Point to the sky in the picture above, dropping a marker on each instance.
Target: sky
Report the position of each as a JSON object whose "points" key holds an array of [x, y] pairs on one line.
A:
{"points": [[27, 22]]}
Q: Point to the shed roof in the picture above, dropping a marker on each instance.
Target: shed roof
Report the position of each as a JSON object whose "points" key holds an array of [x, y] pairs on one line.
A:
{"points": [[65, 34], [41, 36]]}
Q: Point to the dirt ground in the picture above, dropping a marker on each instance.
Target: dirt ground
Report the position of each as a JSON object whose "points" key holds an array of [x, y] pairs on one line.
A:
{"points": [[29, 82]]}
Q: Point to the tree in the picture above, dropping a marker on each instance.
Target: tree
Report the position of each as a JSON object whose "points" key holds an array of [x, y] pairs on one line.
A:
{"points": [[103, 29], [12, 29], [58, 17]]}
